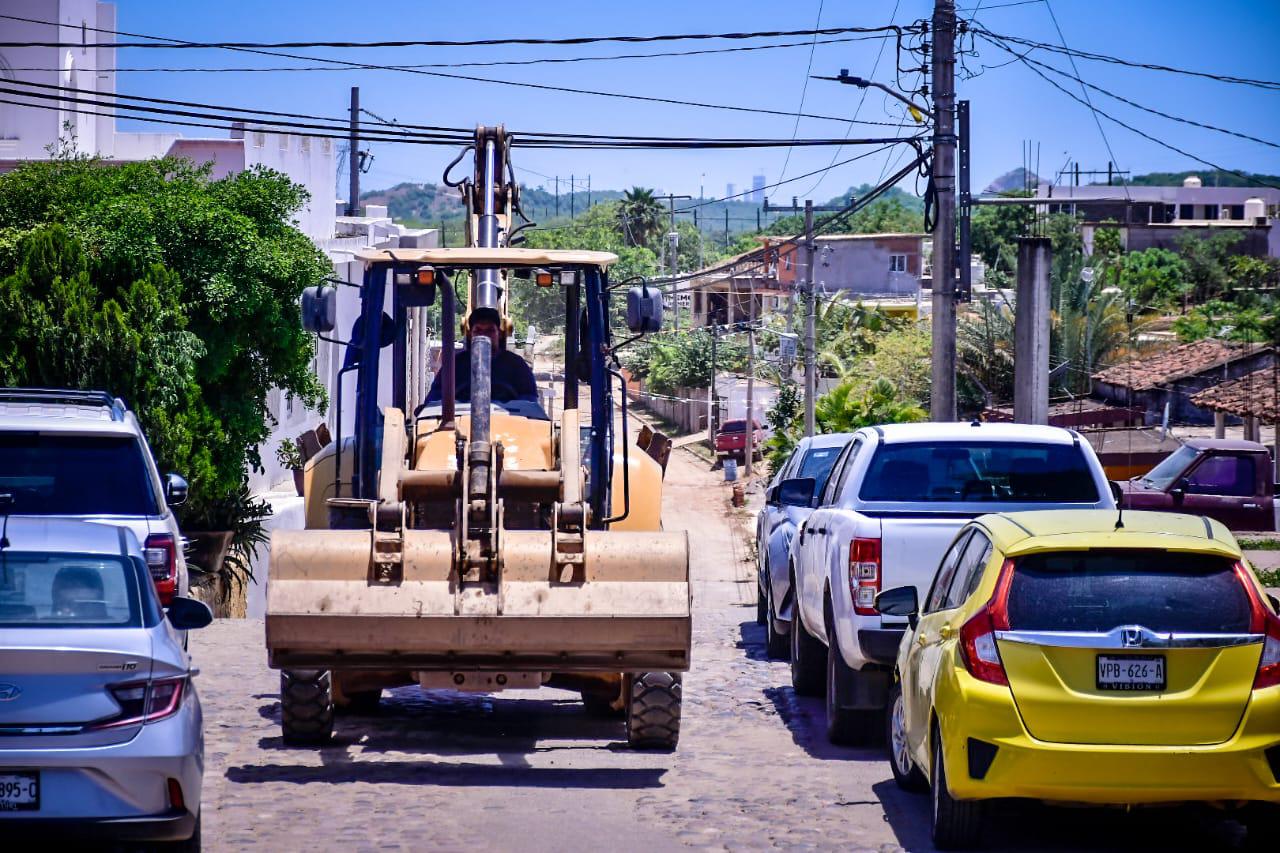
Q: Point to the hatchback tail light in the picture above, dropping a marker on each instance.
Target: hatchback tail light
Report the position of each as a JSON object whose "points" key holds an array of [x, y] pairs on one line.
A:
{"points": [[145, 701], [864, 575], [1268, 624], [978, 650], [161, 552]]}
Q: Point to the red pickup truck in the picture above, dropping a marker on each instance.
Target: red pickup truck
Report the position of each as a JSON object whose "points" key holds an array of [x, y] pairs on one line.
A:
{"points": [[731, 439], [1229, 480]]}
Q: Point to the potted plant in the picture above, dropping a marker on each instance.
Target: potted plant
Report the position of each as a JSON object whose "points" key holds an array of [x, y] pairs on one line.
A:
{"points": [[226, 535], [290, 457]]}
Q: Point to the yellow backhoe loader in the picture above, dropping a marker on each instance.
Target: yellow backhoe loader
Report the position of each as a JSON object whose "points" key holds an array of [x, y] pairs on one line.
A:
{"points": [[481, 545]]}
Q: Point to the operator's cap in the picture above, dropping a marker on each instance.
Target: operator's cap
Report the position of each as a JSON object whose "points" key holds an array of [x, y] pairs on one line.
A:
{"points": [[484, 314]]}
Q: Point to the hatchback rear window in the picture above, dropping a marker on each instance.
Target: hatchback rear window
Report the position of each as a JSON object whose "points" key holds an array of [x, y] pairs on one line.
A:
{"points": [[75, 475], [986, 472], [68, 591], [1104, 589]]}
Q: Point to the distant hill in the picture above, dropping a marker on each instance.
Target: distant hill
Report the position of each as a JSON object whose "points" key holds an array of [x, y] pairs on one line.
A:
{"points": [[1015, 179], [1210, 178]]}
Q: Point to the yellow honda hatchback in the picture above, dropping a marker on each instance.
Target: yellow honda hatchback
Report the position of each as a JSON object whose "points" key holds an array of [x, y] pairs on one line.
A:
{"points": [[1066, 657]]}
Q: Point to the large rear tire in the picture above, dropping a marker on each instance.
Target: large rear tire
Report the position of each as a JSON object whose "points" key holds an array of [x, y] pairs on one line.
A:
{"points": [[306, 706], [845, 726], [653, 710], [955, 824], [808, 657]]}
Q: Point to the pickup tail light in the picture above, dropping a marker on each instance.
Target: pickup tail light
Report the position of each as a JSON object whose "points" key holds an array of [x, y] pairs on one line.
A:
{"points": [[145, 701], [978, 649], [161, 553], [1268, 624], [864, 575]]}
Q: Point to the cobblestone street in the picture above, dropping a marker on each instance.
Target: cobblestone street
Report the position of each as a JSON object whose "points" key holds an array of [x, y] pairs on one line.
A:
{"points": [[532, 771]]}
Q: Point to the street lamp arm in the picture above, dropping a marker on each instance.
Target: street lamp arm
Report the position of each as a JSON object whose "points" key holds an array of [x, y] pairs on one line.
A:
{"points": [[917, 112]]}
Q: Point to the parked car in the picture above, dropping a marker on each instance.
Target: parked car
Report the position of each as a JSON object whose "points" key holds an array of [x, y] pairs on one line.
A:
{"points": [[890, 508], [813, 458], [1229, 480], [100, 724], [1085, 657], [731, 439], [82, 454]]}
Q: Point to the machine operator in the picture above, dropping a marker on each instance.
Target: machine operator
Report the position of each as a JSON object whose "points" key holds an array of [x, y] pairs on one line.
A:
{"points": [[512, 376]]}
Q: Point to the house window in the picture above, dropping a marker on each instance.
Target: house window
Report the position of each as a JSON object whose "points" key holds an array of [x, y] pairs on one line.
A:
{"points": [[284, 142], [1237, 211], [326, 146], [259, 139], [1210, 211], [1170, 212], [897, 263], [304, 144], [1186, 211]]}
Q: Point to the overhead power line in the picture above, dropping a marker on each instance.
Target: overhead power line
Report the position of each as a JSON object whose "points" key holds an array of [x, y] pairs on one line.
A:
{"points": [[1115, 60], [574, 40], [549, 60], [538, 86], [1097, 111], [260, 120]]}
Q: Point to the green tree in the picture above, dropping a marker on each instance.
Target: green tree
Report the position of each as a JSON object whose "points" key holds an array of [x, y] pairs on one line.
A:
{"points": [[995, 230], [640, 216], [1206, 259], [1153, 277], [221, 266], [846, 408]]}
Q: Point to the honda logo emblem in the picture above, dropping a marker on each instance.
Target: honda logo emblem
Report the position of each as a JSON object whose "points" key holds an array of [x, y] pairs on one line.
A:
{"points": [[9, 692], [1131, 637]]}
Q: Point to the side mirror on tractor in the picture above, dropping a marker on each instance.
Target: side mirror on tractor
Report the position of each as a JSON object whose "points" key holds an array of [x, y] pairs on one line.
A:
{"points": [[319, 309], [644, 309]]}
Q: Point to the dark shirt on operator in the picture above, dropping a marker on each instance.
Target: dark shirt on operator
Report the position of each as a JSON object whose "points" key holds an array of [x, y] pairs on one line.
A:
{"points": [[512, 379]]}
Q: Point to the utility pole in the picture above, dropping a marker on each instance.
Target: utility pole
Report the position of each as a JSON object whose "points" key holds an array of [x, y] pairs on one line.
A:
{"points": [[557, 195], [810, 321], [353, 164], [726, 226], [588, 207], [942, 402], [673, 246], [1031, 324], [573, 185], [751, 379], [711, 389]]}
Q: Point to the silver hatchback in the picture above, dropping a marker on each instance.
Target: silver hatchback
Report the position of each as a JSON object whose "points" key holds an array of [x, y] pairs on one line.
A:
{"points": [[101, 732]]}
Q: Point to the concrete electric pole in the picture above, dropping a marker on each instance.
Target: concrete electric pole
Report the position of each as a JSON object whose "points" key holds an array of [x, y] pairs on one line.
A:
{"points": [[810, 321], [942, 398], [353, 164], [750, 447]]}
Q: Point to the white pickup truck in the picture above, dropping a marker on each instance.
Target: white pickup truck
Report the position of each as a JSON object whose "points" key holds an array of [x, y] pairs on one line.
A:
{"points": [[894, 501]]}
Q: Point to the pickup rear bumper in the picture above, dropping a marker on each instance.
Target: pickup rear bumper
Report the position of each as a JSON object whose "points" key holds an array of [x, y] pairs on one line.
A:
{"points": [[880, 645]]}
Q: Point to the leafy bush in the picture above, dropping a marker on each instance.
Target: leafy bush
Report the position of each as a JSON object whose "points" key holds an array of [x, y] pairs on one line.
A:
{"points": [[173, 290]]}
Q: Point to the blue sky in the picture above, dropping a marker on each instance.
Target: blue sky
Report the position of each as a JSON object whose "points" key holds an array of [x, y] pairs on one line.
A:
{"points": [[1009, 104]]}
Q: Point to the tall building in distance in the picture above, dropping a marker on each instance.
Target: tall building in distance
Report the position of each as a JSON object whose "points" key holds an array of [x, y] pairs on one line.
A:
{"points": [[757, 188], [729, 190]]}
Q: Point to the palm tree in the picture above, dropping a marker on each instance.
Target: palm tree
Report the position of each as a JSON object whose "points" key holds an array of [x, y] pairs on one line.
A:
{"points": [[640, 215]]}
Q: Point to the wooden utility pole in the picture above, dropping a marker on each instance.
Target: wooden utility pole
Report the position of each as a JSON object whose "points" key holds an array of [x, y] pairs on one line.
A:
{"points": [[942, 396], [810, 322], [353, 162]]}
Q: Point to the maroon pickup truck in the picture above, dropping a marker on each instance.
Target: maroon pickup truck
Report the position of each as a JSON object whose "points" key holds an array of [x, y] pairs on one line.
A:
{"points": [[1231, 481], [731, 439]]}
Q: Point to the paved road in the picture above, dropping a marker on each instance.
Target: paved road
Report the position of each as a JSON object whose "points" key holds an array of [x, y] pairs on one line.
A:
{"points": [[531, 771]]}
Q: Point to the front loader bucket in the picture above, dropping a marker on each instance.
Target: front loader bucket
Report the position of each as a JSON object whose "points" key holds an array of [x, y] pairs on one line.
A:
{"points": [[624, 607]]}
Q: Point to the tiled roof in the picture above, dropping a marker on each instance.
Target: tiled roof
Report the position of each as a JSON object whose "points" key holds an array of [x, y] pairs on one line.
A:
{"points": [[1255, 394], [1179, 362]]}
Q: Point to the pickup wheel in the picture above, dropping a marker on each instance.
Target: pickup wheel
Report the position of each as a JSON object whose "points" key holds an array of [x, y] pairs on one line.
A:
{"points": [[807, 658], [954, 824], [846, 726], [905, 771], [776, 645], [306, 706]]}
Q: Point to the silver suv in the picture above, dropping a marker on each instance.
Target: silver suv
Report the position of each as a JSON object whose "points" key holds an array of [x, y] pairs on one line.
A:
{"points": [[82, 454]]}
